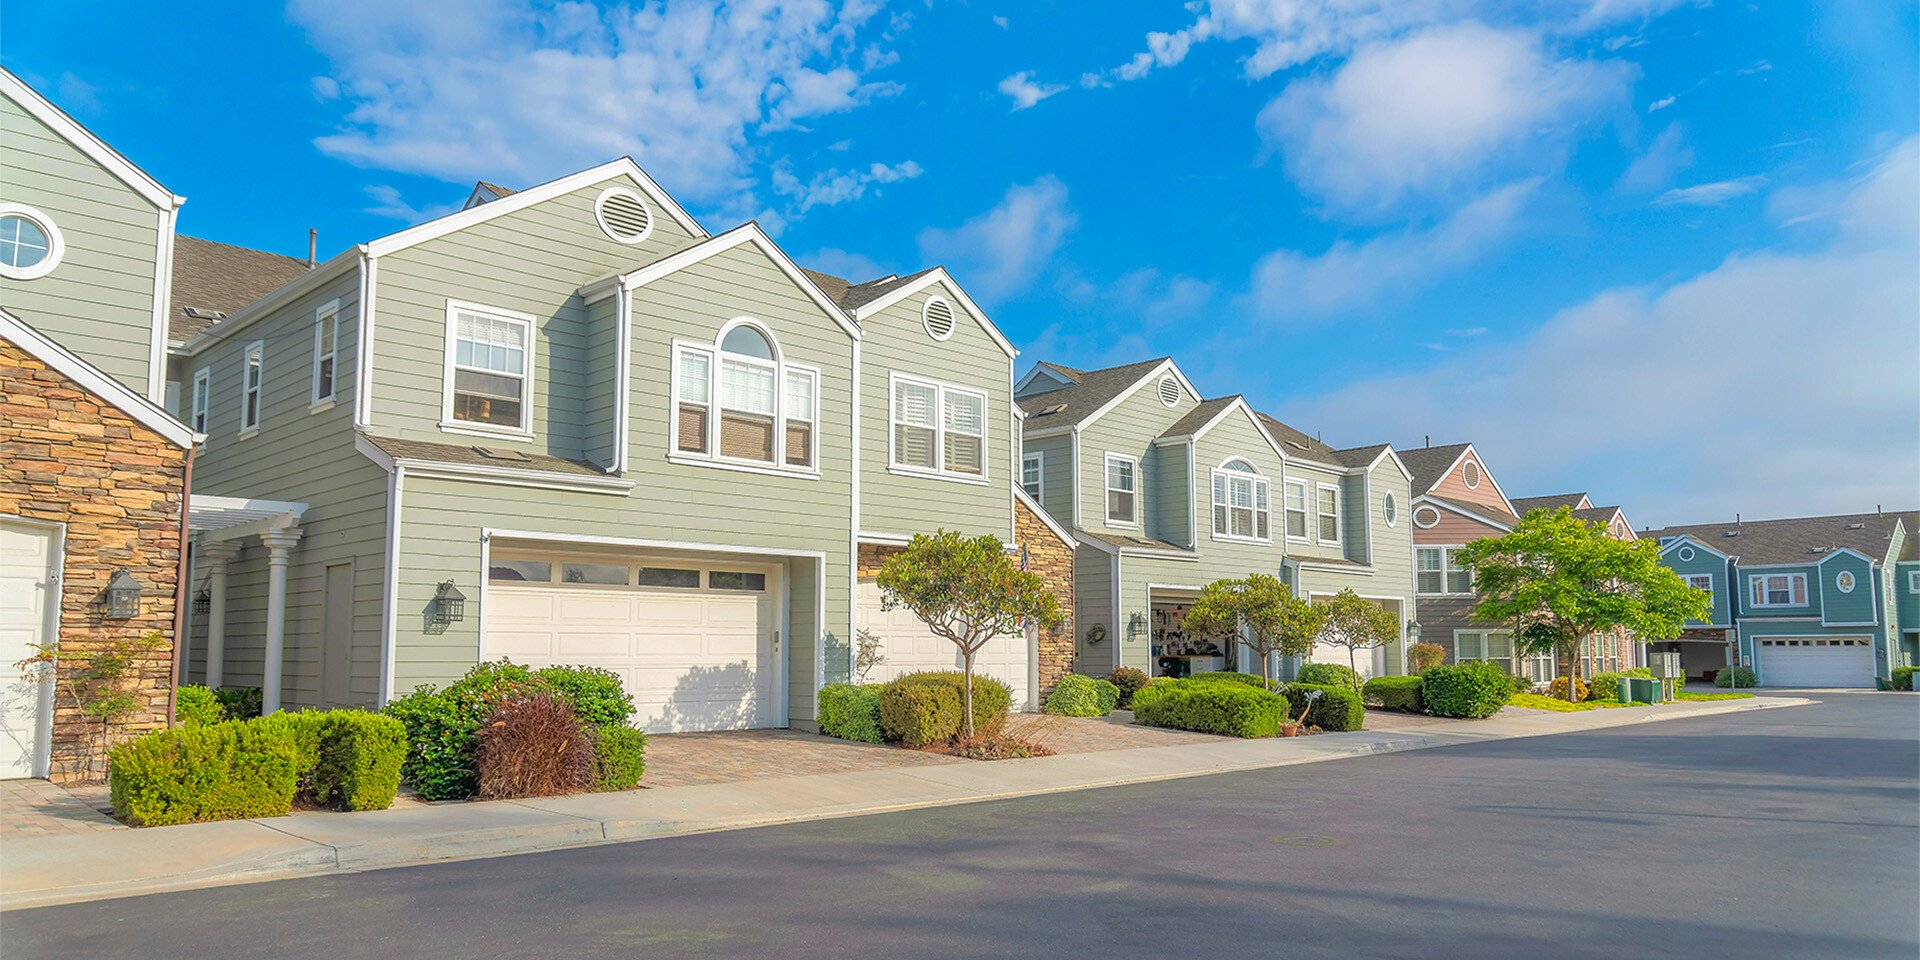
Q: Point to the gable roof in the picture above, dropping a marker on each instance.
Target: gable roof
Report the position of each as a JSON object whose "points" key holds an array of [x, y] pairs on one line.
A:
{"points": [[1478, 511], [1297, 444], [1429, 465], [1361, 456], [96, 149], [748, 232], [1092, 391], [1796, 539], [484, 192], [1552, 501], [212, 280], [61, 360], [1202, 414], [1604, 515], [867, 299]]}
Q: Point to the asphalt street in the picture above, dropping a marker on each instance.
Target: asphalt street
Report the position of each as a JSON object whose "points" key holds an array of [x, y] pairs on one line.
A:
{"points": [[1778, 833]]}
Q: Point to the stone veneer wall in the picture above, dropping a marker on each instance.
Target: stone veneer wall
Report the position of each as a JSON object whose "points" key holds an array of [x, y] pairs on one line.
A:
{"points": [[68, 457]]}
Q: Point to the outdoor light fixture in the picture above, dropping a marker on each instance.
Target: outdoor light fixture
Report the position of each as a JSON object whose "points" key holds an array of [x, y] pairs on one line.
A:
{"points": [[123, 596], [1413, 631], [202, 602], [449, 604]]}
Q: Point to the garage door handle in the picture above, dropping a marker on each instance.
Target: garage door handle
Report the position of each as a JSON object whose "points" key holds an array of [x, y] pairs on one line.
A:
{"points": [[776, 641]]}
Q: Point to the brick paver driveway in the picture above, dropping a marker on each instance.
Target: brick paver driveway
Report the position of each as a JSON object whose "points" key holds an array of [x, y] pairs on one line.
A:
{"points": [[36, 808]]}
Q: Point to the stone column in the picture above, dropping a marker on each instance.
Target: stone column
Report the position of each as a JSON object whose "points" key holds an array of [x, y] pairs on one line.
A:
{"points": [[216, 554], [279, 545]]}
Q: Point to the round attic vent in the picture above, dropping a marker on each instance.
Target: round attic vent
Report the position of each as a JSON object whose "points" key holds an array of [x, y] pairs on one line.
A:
{"points": [[1470, 473], [623, 214], [1686, 553], [937, 316], [1169, 390], [1425, 517]]}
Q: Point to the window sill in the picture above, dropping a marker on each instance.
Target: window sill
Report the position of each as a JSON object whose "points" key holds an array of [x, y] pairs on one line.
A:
{"points": [[1224, 538], [1129, 525], [977, 480], [320, 406], [247, 432], [766, 470], [473, 430]]}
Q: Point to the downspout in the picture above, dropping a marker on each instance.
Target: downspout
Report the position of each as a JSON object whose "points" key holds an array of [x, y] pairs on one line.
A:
{"points": [[181, 583]]}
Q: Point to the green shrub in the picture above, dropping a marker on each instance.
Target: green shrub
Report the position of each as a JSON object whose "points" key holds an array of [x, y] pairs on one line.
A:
{"points": [[1230, 676], [1394, 693], [1472, 690], [851, 711], [991, 701], [1558, 689], [194, 704], [1902, 678], [302, 730], [489, 684], [359, 760], [918, 714], [240, 703], [1107, 694], [214, 771], [1736, 677], [1518, 684], [620, 753], [595, 693], [1076, 696], [1232, 709], [1338, 708], [1129, 680], [440, 742], [1328, 675]]}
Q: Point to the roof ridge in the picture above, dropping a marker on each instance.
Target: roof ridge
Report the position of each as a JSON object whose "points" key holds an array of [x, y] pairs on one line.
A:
{"points": [[234, 246]]}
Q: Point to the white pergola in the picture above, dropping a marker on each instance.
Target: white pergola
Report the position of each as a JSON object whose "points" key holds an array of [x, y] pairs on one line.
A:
{"points": [[219, 526]]}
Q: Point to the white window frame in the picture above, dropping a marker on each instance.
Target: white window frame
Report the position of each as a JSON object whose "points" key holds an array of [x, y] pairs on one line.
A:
{"points": [[1390, 509], [200, 400], [1339, 527], [1038, 459], [1439, 553], [1850, 582], [524, 431], [254, 356], [941, 390], [1699, 581], [1306, 511], [1448, 568], [1257, 486], [56, 243], [1484, 638], [1757, 590], [1106, 485], [1913, 581], [329, 312], [781, 368]]}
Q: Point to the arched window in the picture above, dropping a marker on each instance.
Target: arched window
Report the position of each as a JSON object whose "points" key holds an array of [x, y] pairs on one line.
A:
{"points": [[1242, 502], [739, 401]]}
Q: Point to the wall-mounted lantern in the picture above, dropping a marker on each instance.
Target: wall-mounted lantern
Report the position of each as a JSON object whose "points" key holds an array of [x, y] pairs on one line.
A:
{"points": [[123, 596], [449, 604], [203, 601], [1413, 631]]}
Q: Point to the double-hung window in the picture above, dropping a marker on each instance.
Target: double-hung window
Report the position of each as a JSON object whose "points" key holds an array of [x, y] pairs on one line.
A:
{"points": [[1428, 578], [1241, 508], [1033, 474], [1701, 581], [1328, 502], [201, 400], [1491, 645], [252, 381], [939, 429], [1540, 667], [1296, 510], [737, 401], [326, 349], [489, 375], [1123, 489], [1913, 581], [1778, 589], [1459, 577]]}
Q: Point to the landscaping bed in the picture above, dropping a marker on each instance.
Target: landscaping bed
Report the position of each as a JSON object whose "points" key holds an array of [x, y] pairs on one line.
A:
{"points": [[927, 711]]}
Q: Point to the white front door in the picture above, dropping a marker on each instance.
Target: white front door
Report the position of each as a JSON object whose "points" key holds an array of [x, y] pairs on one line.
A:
{"points": [[704, 656], [29, 608], [1815, 661], [910, 647]]}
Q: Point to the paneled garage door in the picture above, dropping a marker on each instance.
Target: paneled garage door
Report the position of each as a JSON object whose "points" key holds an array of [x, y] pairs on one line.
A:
{"points": [[910, 647], [1815, 661], [695, 643]]}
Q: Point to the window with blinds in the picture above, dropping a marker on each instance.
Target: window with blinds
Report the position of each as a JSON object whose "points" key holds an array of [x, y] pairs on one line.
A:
{"points": [[1296, 508], [739, 401], [939, 428], [490, 383], [1123, 497], [1240, 503]]}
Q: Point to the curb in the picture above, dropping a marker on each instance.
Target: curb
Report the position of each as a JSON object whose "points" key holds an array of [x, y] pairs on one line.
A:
{"points": [[321, 846]]}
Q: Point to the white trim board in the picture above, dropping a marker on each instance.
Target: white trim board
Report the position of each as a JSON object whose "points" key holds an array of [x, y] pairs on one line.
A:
{"points": [[58, 358], [624, 166], [1159, 369], [748, 232], [931, 277], [84, 140]]}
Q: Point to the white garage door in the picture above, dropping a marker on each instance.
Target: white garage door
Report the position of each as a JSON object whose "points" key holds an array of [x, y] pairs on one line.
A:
{"points": [[697, 645], [1816, 661], [28, 587], [911, 647]]}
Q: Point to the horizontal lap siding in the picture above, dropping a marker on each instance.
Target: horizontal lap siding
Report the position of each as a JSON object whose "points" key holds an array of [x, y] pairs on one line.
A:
{"points": [[600, 387], [1093, 598], [896, 341], [1056, 476], [1129, 428], [98, 301], [1708, 564], [1314, 475], [1169, 492]]}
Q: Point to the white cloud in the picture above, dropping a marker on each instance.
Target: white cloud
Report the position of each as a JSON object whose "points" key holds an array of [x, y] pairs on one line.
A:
{"points": [[1662, 103], [999, 252], [1467, 331], [1000, 21], [1435, 112], [523, 92], [856, 267], [1145, 296], [1291, 287], [1713, 194], [1025, 92], [835, 187], [1648, 396], [1666, 156], [387, 202]]}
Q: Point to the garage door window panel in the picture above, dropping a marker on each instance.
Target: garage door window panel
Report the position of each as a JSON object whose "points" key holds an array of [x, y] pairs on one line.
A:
{"points": [[594, 574], [669, 577], [736, 580], [520, 571]]}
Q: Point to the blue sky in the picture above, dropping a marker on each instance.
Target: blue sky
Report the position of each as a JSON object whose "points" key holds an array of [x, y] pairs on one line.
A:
{"points": [[1661, 251]]}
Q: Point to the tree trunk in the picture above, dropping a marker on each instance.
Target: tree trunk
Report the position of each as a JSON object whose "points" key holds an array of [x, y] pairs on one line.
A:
{"points": [[967, 658], [1353, 663]]}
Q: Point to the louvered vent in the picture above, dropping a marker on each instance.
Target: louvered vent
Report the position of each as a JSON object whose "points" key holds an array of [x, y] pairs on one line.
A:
{"points": [[938, 317], [1169, 390], [624, 216]]}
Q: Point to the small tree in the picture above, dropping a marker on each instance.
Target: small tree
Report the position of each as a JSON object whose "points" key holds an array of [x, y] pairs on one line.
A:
{"points": [[1350, 621], [99, 680], [1557, 580], [866, 654], [1261, 613], [968, 590]]}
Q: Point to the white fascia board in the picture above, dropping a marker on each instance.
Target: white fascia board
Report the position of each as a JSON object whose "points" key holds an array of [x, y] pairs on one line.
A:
{"points": [[1485, 474], [281, 296], [1687, 539], [1439, 504], [748, 232], [58, 358], [1165, 366], [1046, 518], [84, 140], [940, 275], [1040, 369], [433, 229], [1823, 560]]}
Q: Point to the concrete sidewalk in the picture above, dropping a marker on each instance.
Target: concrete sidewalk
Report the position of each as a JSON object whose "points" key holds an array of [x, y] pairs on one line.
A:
{"points": [[41, 871]]}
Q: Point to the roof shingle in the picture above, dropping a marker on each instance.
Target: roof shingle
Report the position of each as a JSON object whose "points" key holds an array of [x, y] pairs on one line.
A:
{"points": [[213, 280], [1429, 464], [481, 456], [1073, 403], [1797, 539]]}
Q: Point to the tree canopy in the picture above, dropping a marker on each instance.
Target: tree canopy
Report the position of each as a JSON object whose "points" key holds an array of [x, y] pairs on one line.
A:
{"points": [[1356, 623], [1260, 612]]}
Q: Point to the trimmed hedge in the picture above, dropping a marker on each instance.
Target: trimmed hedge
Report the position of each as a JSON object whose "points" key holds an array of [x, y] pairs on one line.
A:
{"points": [[214, 771], [922, 708], [1328, 675], [1107, 694], [1338, 708], [1234, 676], [1129, 680], [1394, 693], [1232, 709], [1902, 678], [851, 711], [440, 742], [360, 754], [239, 703], [1735, 677], [194, 704], [1076, 696], [1471, 690], [620, 753], [595, 694]]}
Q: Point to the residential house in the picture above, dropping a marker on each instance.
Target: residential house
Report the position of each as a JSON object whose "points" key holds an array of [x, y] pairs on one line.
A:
{"points": [[1457, 501], [1805, 601], [1166, 491]]}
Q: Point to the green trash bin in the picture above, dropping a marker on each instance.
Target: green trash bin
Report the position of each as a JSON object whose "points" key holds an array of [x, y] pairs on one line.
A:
{"points": [[1644, 690], [1625, 694]]}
